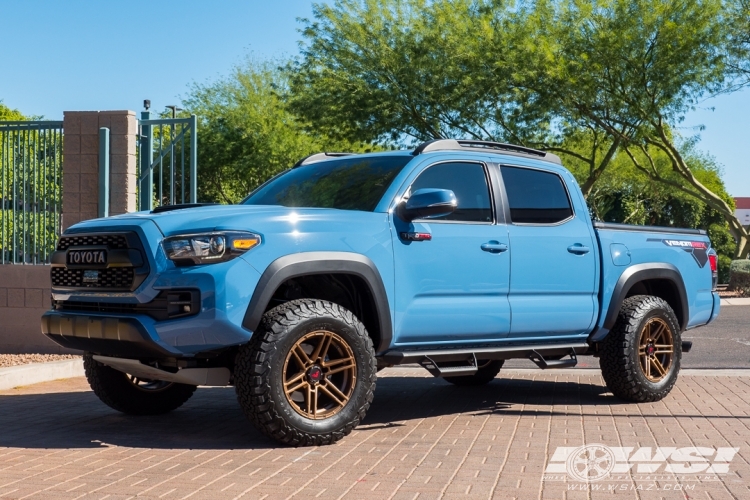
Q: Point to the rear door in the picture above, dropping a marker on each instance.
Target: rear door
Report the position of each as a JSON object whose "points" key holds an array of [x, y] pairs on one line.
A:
{"points": [[553, 258]]}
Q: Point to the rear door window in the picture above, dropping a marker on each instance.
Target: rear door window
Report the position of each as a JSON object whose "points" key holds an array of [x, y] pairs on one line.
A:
{"points": [[535, 196]]}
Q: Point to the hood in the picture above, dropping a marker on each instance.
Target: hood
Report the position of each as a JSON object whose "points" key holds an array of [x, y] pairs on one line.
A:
{"points": [[259, 218]]}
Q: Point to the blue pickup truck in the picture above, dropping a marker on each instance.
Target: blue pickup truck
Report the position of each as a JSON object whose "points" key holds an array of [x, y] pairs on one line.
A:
{"points": [[456, 256]]}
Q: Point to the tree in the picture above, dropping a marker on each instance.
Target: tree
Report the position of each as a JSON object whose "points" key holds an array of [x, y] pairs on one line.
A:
{"points": [[642, 65], [583, 78], [394, 70], [247, 134], [8, 114]]}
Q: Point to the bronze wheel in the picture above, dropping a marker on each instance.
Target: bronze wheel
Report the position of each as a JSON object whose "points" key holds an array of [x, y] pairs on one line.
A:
{"points": [[656, 349], [307, 376], [640, 358], [319, 375]]}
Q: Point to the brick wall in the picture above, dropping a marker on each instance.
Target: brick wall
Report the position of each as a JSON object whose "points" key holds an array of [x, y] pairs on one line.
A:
{"points": [[24, 297]]}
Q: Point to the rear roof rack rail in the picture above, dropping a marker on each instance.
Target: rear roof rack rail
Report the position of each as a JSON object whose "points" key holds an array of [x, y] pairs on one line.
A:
{"points": [[487, 146], [319, 157]]}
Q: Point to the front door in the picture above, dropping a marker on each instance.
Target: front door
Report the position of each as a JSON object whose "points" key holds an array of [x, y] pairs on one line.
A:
{"points": [[553, 264], [453, 287]]}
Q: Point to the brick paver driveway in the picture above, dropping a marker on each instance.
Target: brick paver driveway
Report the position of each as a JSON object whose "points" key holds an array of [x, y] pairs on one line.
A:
{"points": [[423, 438]]}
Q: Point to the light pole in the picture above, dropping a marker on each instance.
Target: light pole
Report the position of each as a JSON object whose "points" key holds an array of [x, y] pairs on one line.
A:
{"points": [[174, 109]]}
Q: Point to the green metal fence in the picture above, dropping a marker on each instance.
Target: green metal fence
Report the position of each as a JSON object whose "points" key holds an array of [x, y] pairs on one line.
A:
{"points": [[167, 155], [30, 190]]}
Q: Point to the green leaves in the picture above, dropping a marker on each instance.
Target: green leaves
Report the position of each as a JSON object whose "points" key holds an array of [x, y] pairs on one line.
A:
{"points": [[247, 134]]}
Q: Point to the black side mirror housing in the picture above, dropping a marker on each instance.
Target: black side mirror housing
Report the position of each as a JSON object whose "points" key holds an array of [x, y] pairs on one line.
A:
{"points": [[428, 204]]}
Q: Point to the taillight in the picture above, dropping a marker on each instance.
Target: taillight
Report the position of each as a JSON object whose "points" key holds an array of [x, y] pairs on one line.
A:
{"points": [[713, 261]]}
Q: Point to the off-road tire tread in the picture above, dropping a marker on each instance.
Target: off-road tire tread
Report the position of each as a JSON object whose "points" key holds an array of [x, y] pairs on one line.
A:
{"points": [[114, 390], [616, 361], [483, 376], [253, 368]]}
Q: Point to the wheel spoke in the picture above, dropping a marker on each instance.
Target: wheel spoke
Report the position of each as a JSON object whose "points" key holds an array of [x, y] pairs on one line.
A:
{"points": [[301, 357], [322, 349], [295, 384], [334, 393], [311, 398], [350, 364], [657, 364], [648, 367]]}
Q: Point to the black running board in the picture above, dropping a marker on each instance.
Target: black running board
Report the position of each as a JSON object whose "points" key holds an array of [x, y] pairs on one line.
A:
{"points": [[436, 356], [543, 363], [432, 366]]}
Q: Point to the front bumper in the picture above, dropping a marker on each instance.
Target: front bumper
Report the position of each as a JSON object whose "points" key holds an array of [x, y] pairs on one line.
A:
{"points": [[115, 336], [117, 325], [133, 323]]}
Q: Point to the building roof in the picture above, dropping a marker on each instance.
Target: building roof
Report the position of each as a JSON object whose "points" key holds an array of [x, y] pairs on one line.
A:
{"points": [[742, 203]]}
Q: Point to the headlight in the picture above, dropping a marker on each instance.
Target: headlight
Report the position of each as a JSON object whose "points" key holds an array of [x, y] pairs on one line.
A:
{"points": [[207, 248]]}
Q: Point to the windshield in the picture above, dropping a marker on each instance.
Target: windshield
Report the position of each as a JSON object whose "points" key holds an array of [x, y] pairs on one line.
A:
{"points": [[354, 183]]}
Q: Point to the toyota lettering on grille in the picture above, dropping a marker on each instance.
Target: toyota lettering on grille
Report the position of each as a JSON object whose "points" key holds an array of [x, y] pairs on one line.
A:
{"points": [[79, 257]]}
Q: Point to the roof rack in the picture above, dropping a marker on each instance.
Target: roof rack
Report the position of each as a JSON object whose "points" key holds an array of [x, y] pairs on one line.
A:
{"points": [[492, 147], [319, 157]]}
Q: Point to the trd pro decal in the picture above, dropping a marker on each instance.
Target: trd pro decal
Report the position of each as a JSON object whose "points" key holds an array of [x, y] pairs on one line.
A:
{"points": [[699, 249]]}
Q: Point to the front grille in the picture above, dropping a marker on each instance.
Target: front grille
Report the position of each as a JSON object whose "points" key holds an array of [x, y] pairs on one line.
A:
{"points": [[169, 304], [112, 241], [114, 277], [125, 271]]}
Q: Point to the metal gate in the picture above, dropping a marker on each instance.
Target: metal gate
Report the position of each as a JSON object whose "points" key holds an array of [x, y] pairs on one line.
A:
{"points": [[30, 190], [166, 148]]}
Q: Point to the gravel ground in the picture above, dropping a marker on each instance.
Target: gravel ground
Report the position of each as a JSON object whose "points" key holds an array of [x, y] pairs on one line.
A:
{"points": [[24, 359]]}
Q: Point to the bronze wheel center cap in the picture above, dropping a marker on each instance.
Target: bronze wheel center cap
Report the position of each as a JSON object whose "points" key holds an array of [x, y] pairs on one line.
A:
{"points": [[315, 374]]}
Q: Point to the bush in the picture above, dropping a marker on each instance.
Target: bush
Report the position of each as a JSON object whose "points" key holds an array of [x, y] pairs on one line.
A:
{"points": [[739, 277], [724, 266]]}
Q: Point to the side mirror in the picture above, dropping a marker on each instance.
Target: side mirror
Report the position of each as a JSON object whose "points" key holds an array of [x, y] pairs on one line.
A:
{"points": [[428, 203]]}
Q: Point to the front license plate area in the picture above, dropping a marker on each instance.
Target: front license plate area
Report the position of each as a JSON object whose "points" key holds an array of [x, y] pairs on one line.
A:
{"points": [[91, 276]]}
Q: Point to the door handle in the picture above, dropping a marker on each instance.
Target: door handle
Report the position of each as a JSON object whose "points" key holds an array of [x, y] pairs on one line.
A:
{"points": [[494, 247], [578, 249]]}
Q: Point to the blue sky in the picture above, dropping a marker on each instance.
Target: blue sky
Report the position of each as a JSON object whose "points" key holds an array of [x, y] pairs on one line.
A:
{"points": [[87, 54]]}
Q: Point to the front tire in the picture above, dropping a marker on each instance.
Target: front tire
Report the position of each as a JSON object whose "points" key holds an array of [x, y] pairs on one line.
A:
{"points": [[640, 358], [131, 395], [308, 375]]}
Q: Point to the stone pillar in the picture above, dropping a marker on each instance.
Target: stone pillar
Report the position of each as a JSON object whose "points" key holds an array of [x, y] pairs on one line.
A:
{"points": [[81, 163]]}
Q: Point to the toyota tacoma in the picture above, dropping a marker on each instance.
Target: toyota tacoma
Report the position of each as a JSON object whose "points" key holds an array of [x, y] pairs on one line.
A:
{"points": [[455, 256]]}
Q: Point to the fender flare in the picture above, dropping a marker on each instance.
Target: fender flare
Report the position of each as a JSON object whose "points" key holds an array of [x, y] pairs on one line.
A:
{"points": [[311, 263], [634, 275]]}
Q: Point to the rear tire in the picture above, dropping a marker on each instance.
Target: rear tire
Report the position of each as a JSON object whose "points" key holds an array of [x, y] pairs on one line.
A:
{"points": [[308, 374], [132, 396], [640, 357], [484, 375]]}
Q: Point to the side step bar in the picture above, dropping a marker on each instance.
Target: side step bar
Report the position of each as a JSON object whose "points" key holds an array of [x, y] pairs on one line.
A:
{"points": [[463, 361], [436, 370]]}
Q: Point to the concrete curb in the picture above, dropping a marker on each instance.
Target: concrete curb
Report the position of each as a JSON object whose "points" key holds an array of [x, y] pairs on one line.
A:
{"points": [[736, 302], [34, 373]]}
